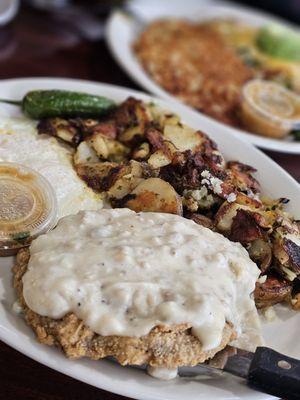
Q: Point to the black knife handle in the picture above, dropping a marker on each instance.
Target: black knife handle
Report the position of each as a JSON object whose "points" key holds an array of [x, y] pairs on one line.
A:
{"points": [[275, 374]]}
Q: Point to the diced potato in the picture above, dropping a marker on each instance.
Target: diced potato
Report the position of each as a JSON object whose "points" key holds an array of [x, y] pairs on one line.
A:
{"points": [[183, 137], [161, 117], [228, 211], [260, 251], [155, 195], [286, 249], [59, 127], [117, 180], [274, 290], [128, 179], [225, 215], [141, 151], [129, 134], [243, 199], [170, 119], [99, 175], [85, 153], [98, 143], [108, 149], [158, 159]]}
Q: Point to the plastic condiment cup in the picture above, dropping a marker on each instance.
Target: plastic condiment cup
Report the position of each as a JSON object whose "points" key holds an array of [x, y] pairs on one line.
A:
{"points": [[269, 109], [28, 207]]}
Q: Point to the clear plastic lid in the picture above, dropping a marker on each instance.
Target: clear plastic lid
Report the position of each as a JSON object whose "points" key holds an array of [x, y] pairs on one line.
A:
{"points": [[273, 102], [28, 206]]}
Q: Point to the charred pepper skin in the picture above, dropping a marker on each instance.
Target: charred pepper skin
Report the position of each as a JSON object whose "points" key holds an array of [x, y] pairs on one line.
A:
{"points": [[39, 104]]}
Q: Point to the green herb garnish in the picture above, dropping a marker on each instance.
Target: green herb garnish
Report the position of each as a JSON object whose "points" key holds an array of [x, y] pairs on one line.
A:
{"points": [[19, 237], [296, 135]]}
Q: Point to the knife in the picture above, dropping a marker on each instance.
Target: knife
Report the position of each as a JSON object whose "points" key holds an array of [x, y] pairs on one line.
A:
{"points": [[265, 370]]}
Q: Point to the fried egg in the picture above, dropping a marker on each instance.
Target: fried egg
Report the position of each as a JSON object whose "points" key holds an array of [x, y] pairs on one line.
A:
{"points": [[20, 142]]}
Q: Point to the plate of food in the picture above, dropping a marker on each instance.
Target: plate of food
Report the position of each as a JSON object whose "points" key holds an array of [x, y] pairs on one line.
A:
{"points": [[235, 65], [144, 237]]}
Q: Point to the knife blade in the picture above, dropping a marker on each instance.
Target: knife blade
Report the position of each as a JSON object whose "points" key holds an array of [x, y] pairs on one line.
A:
{"points": [[265, 370]]}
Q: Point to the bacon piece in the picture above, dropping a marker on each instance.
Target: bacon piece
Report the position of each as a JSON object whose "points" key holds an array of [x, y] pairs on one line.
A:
{"points": [[185, 171], [200, 220], [155, 138], [244, 227]]}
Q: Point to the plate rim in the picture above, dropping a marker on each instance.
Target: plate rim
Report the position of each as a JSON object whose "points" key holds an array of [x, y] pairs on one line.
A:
{"points": [[137, 73]]}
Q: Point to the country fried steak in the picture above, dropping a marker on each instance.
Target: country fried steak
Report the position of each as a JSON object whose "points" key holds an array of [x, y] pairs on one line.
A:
{"points": [[164, 346]]}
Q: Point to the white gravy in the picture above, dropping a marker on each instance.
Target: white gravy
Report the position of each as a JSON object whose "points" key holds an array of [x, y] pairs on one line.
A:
{"points": [[123, 273]]}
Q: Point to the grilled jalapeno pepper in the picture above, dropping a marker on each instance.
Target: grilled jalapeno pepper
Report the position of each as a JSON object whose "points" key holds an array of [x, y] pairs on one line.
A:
{"points": [[61, 103]]}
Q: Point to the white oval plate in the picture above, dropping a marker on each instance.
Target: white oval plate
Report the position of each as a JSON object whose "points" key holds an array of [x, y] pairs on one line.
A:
{"points": [[8, 10], [122, 31], [282, 335]]}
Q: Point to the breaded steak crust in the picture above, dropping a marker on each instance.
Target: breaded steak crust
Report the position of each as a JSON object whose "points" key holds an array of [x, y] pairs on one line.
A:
{"points": [[164, 346]]}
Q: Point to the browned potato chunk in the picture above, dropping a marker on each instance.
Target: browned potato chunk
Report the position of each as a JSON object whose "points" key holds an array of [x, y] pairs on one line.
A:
{"points": [[100, 176], [286, 249], [116, 180], [156, 195], [128, 179], [201, 220], [130, 134], [61, 128], [241, 176], [274, 290], [225, 215], [131, 118], [260, 251], [142, 151], [159, 159], [183, 137], [242, 198], [228, 211], [108, 149], [85, 153]]}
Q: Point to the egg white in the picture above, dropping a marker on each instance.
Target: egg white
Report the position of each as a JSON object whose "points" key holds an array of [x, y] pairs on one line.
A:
{"points": [[20, 142]]}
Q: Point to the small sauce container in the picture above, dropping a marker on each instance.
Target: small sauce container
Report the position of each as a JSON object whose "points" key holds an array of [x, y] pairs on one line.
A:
{"points": [[269, 109], [28, 207]]}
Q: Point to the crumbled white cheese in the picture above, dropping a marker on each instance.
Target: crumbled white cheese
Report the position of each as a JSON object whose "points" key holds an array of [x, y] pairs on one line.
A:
{"points": [[200, 196], [252, 195], [231, 198], [205, 174], [215, 184]]}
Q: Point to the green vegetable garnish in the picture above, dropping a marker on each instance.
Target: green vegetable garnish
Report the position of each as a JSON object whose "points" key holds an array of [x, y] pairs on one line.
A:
{"points": [[296, 134], [61, 103], [280, 42], [18, 237], [247, 57]]}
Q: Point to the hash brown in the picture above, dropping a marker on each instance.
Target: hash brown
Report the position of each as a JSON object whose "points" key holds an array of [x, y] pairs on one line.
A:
{"points": [[194, 63]]}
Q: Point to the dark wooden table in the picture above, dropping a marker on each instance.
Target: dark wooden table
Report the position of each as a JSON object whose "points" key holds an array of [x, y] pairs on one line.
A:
{"points": [[37, 44]]}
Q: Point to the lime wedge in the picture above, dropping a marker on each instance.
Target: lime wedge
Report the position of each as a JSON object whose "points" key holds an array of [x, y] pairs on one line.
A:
{"points": [[279, 42]]}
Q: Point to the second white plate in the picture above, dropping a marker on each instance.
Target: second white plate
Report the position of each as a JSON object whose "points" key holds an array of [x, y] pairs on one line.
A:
{"points": [[122, 31]]}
